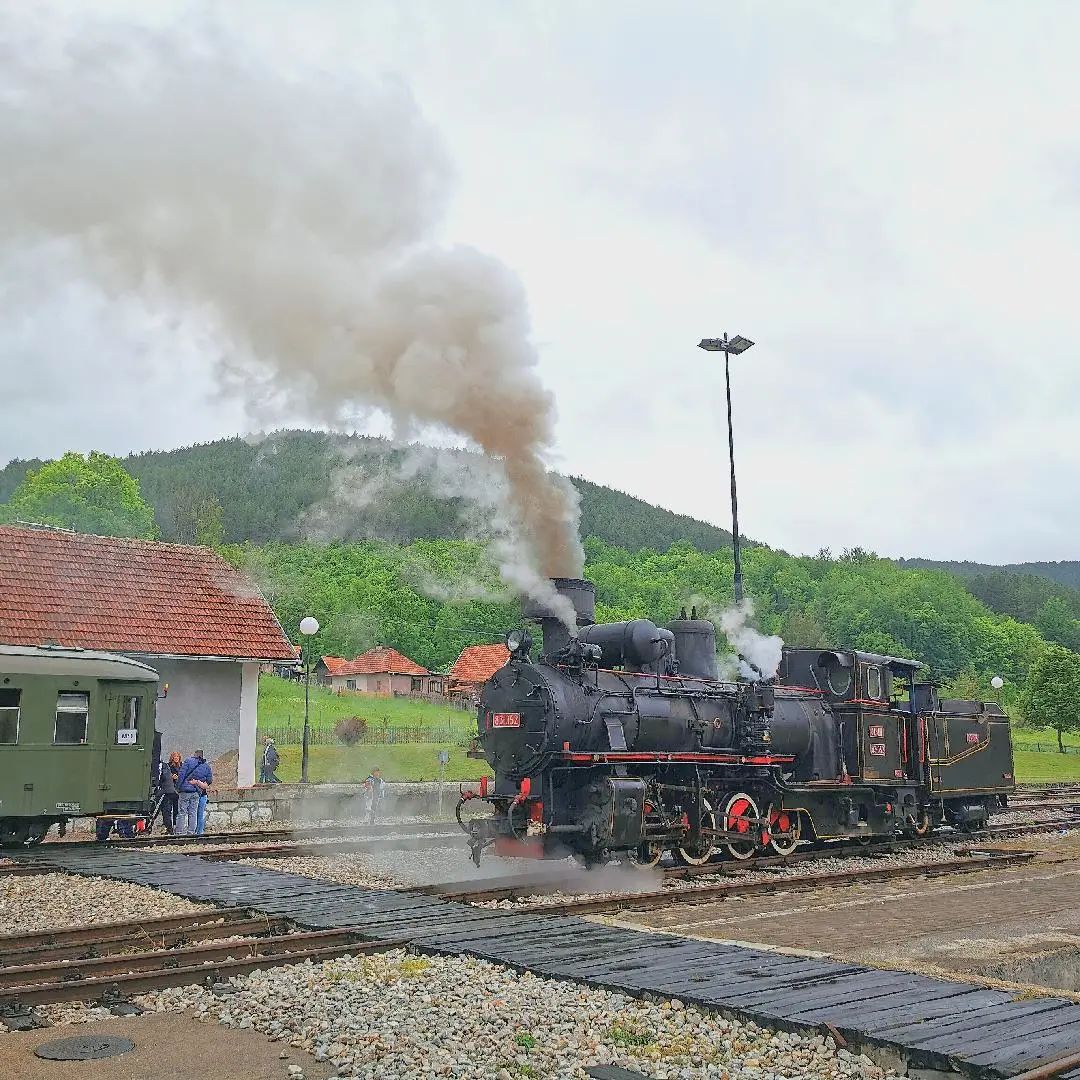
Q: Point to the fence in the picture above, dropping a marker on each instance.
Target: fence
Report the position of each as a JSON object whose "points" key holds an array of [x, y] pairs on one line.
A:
{"points": [[1044, 748], [375, 735]]}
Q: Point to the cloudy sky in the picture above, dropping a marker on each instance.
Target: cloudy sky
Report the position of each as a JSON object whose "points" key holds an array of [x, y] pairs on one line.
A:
{"points": [[882, 195]]}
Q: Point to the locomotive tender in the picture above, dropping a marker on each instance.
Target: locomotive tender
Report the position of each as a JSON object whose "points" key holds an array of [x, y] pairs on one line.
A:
{"points": [[621, 738], [77, 738]]}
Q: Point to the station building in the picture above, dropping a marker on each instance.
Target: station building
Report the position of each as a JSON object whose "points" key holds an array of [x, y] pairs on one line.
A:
{"points": [[199, 622]]}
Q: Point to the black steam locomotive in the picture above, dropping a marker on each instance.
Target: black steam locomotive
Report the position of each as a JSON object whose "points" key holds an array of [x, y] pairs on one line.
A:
{"points": [[621, 738]]}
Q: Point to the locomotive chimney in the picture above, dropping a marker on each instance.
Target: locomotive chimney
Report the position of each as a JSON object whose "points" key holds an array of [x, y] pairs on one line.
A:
{"points": [[580, 593]]}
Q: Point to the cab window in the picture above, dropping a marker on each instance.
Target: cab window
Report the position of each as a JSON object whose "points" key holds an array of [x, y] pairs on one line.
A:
{"points": [[72, 714], [839, 680], [873, 683], [9, 716]]}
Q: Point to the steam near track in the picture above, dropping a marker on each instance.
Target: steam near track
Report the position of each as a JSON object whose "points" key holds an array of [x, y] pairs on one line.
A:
{"points": [[293, 217]]}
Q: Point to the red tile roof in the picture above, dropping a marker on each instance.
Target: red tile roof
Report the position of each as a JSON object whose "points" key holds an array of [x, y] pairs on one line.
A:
{"points": [[477, 663], [138, 596], [382, 660]]}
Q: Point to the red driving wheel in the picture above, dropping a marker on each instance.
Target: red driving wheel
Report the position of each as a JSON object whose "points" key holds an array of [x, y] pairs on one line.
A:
{"points": [[741, 816]]}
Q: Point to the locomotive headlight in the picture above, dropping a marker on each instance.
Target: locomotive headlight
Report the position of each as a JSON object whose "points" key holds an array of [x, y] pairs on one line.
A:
{"points": [[519, 641]]}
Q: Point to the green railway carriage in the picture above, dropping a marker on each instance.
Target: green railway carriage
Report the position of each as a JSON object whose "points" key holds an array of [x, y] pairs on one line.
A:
{"points": [[77, 738]]}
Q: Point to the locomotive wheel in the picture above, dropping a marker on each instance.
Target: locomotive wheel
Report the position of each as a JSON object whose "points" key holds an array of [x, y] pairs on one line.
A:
{"points": [[646, 856], [785, 830], [742, 815], [700, 853]]}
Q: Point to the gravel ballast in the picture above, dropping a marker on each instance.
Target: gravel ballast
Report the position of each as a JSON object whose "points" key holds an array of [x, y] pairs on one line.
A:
{"points": [[61, 901], [400, 1017]]}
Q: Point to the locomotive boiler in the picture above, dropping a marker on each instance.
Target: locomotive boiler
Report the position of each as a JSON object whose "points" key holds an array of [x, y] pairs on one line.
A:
{"points": [[620, 737]]}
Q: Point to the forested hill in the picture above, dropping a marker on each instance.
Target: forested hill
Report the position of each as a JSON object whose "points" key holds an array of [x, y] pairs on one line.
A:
{"points": [[297, 484], [1049, 603], [1066, 572]]}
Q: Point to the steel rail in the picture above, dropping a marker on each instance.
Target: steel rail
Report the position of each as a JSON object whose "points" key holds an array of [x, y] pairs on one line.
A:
{"points": [[139, 938], [138, 973], [114, 931], [697, 894]]}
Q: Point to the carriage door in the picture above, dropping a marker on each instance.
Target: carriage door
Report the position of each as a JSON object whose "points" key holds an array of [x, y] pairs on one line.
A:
{"points": [[125, 757]]}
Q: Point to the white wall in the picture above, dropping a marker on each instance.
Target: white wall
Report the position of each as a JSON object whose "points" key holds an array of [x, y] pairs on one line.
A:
{"points": [[249, 715], [203, 708]]}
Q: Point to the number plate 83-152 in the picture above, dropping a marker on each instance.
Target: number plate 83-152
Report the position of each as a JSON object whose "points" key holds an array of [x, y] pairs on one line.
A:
{"points": [[505, 719]]}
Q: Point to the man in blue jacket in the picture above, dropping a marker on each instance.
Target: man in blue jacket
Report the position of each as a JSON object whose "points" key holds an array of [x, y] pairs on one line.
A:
{"points": [[194, 780]]}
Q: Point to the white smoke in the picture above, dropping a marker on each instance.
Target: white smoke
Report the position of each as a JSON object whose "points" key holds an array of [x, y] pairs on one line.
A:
{"points": [[292, 214], [481, 482], [758, 655]]}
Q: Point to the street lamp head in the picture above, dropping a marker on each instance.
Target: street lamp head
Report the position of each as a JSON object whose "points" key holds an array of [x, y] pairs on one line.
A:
{"points": [[737, 344], [997, 682], [309, 626]]}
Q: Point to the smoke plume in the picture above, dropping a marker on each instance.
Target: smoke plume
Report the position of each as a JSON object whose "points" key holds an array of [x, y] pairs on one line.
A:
{"points": [[292, 215], [758, 655]]}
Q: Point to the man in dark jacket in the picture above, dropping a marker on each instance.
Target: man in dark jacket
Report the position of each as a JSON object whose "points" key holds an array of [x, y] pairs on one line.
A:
{"points": [[193, 780], [168, 771], [270, 762]]}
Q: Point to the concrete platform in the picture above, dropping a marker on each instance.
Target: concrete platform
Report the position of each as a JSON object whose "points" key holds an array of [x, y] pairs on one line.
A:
{"points": [[172, 1046]]}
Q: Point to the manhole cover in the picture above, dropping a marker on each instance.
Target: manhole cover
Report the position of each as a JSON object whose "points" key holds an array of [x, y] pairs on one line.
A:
{"points": [[84, 1048]]}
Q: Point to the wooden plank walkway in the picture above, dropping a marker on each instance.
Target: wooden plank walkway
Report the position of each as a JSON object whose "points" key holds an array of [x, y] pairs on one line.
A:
{"points": [[934, 1023]]}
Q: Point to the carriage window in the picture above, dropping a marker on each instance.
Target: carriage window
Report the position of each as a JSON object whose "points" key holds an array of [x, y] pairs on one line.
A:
{"points": [[72, 712], [873, 682], [127, 731], [9, 717]]}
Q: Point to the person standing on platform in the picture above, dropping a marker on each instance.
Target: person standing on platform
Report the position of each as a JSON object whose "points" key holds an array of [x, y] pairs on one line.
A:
{"points": [[193, 780], [166, 789], [270, 761], [374, 785]]}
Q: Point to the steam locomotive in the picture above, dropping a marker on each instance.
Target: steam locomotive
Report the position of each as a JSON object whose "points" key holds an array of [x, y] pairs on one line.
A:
{"points": [[620, 738]]}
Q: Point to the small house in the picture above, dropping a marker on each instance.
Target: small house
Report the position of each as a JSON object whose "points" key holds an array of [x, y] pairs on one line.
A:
{"points": [[381, 670], [474, 666]]}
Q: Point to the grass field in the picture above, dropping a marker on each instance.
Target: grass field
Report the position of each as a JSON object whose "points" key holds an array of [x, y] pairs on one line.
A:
{"points": [[350, 764], [1032, 768], [1025, 736], [281, 704]]}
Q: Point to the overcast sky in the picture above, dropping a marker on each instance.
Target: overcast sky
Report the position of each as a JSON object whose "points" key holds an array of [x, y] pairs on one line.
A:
{"points": [[882, 195]]}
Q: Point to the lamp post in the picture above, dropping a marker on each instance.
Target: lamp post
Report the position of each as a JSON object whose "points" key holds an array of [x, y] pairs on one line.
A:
{"points": [[308, 626], [734, 346]]}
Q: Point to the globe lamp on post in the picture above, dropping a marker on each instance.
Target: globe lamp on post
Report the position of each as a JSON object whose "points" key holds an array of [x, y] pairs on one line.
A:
{"points": [[308, 627]]}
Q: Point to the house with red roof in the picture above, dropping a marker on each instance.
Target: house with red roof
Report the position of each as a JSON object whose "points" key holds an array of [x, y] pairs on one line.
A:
{"points": [[381, 670], [474, 666], [199, 622]]}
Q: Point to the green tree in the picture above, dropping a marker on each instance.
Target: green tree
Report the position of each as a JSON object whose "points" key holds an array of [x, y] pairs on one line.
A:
{"points": [[1056, 623], [1052, 695], [197, 518], [91, 494]]}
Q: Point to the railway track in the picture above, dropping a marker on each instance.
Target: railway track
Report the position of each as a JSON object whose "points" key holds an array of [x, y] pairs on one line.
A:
{"points": [[111, 962], [281, 833], [519, 886], [282, 843]]}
